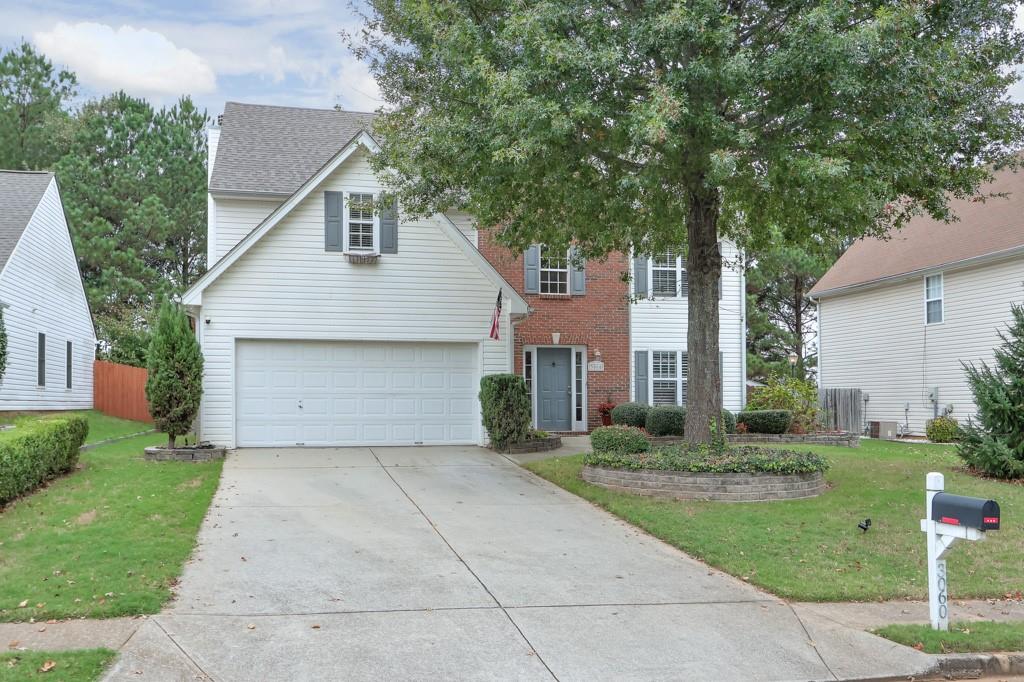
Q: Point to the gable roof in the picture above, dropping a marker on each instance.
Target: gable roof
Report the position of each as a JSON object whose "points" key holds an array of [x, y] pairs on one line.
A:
{"points": [[986, 229], [273, 150], [20, 193]]}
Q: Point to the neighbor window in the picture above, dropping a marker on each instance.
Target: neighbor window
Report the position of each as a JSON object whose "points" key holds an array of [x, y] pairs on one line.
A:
{"points": [[41, 360], [67, 365], [554, 271], [668, 276], [933, 299], [359, 213], [668, 374]]}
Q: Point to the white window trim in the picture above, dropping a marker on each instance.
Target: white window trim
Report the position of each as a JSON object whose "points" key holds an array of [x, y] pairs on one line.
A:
{"points": [[577, 426], [375, 251], [680, 269], [540, 273], [680, 379], [941, 298]]}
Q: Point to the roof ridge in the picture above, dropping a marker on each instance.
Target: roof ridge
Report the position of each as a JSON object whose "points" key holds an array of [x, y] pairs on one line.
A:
{"points": [[295, 108], [26, 172]]}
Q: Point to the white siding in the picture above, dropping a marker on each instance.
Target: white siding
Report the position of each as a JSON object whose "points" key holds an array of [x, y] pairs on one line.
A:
{"points": [[42, 290], [660, 324], [288, 287], [877, 340], [236, 218], [466, 223]]}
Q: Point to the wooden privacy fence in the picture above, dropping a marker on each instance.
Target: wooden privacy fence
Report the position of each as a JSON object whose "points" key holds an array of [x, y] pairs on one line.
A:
{"points": [[120, 391], [842, 409]]}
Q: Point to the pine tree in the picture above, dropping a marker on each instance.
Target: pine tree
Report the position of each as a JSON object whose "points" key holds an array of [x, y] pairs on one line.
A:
{"points": [[994, 442], [175, 383]]}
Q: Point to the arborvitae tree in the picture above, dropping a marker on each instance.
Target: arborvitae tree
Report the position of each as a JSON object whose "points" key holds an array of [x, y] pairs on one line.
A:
{"points": [[994, 441], [175, 384]]}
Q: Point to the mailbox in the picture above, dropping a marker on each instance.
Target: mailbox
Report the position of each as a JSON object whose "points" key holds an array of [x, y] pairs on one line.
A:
{"points": [[970, 512]]}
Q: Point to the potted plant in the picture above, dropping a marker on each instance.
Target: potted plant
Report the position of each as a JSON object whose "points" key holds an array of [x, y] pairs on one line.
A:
{"points": [[605, 410]]}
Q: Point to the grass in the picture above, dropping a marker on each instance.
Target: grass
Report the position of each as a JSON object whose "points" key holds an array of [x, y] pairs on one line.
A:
{"points": [[107, 540], [812, 549], [83, 665], [101, 427], [961, 637]]}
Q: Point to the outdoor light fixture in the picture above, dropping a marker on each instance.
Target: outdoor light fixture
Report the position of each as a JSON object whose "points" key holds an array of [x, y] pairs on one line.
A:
{"points": [[793, 357]]}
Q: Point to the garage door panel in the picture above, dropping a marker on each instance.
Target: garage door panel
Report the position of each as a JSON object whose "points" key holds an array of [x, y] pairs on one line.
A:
{"points": [[355, 393]]}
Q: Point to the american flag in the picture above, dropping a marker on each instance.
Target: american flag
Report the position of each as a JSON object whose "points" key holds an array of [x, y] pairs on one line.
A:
{"points": [[496, 319]]}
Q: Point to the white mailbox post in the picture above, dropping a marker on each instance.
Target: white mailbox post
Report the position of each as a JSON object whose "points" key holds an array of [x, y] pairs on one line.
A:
{"points": [[941, 536]]}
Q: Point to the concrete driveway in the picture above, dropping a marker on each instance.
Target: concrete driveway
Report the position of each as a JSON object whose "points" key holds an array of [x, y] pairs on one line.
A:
{"points": [[438, 563]]}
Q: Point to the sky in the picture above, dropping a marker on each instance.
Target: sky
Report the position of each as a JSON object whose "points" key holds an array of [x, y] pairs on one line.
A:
{"points": [[260, 51], [286, 52]]}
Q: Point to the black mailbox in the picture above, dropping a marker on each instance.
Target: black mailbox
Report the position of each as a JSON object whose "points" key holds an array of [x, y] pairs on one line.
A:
{"points": [[972, 512]]}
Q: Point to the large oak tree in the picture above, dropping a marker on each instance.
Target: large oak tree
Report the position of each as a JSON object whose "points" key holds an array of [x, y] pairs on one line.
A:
{"points": [[646, 125]]}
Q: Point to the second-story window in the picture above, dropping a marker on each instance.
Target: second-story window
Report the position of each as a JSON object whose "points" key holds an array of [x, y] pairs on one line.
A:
{"points": [[933, 299], [554, 271], [360, 222], [668, 276]]}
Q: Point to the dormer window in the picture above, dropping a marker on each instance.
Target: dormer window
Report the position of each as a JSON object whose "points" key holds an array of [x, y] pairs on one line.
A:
{"points": [[362, 227]]}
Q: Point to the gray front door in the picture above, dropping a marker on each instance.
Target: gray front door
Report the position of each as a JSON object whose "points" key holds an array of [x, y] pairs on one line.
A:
{"points": [[554, 392]]}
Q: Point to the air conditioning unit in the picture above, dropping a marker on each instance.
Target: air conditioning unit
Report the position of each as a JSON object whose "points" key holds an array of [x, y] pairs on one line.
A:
{"points": [[882, 430]]}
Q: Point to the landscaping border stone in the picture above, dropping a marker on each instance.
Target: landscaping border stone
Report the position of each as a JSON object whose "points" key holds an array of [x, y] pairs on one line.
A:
{"points": [[534, 445], [725, 487], [844, 439], [164, 454]]}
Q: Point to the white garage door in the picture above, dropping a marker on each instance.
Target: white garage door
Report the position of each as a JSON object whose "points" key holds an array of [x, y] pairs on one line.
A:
{"points": [[355, 393]]}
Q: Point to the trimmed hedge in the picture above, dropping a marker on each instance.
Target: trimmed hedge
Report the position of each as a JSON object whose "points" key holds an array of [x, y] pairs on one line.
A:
{"points": [[709, 459], [666, 420], [766, 421], [505, 404], [622, 439], [39, 451], [729, 420], [942, 429], [631, 414]]}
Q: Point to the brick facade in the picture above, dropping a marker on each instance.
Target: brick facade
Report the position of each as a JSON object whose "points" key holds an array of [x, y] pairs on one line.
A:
{"points": [[599, 320]]}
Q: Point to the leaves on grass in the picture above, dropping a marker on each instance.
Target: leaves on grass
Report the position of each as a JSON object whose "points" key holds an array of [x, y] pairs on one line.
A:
{"points": [[47, 666]]}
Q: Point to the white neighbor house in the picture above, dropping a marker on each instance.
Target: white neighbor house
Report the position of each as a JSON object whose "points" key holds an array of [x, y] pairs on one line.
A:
{"points": [[897, 318], [323, 322], [51, 343], [658, 323]]}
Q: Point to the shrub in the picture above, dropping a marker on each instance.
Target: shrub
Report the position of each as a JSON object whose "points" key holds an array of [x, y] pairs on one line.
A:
{"points": [[766, 421], [38, 451], [666, 420], [797, 396], [942, 429], [630, 414], [621, 439], [174, 386], [994, 444], [710, 459], [505, 403], [729, 421]]}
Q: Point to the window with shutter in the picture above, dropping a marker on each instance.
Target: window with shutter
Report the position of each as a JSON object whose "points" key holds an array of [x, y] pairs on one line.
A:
{"points": [[554, 271], [668, 276], [665, 375], [360, 222]]}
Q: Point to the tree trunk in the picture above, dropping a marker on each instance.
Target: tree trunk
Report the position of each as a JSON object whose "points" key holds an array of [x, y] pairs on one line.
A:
{"points": [[704, 271], [171, 441]]}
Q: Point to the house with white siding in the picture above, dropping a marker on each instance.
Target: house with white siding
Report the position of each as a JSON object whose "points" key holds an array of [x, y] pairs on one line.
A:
{"points": [[327, 318], [658, 324], [898, 317], [51, 342]]}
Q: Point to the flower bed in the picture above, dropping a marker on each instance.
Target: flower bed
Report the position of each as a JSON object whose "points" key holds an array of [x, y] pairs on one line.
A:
{"points": [[841, 439]]}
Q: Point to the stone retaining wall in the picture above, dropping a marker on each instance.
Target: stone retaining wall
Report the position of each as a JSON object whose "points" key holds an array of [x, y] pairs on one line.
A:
{"points": [[681, 485], [534, 445], [849, 440], [164, 454]]}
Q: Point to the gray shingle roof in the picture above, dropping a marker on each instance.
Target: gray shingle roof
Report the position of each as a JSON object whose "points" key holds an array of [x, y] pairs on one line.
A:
{"points": [[20, 192], [275, 149]]}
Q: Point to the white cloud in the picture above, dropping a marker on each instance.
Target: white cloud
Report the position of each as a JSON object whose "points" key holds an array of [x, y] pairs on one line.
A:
{"points": [[138, 60]]}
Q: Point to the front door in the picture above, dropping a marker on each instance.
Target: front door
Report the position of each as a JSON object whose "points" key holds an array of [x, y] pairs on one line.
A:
{"points": [[554, 393]]}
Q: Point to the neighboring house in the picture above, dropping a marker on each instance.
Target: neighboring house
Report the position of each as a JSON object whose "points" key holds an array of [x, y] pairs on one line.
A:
{"points": [[898, 318], [51, 343], [328, 320]]}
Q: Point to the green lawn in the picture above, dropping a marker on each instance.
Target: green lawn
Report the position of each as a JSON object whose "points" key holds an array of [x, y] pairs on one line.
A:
{"points": [[83, 665], [107, 540], [961, 637], [812, 549], [101, 426]]}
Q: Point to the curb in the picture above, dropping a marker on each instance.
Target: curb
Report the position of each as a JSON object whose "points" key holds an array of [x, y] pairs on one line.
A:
{"points": [[90, 446], [973, 666]]}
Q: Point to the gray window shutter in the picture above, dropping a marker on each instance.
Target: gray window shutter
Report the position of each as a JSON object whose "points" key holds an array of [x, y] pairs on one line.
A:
{"points": [[333, 205], [684, 283], [577, 275], [389, 227], [640, 376], [531, 262], [41, 359], [640, 287]]}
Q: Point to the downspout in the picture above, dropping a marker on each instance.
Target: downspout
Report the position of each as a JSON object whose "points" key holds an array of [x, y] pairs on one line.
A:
{"points": [[743, 337]]}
